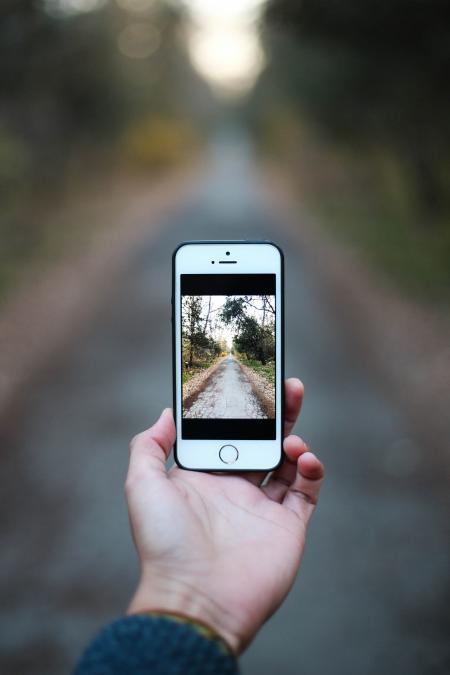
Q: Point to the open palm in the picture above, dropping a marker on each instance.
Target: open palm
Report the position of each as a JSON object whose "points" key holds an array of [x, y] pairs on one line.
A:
{"points": [[224, 549]]}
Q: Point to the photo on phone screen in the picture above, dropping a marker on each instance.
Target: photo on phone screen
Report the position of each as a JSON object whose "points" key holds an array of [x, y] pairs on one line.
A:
{"points": [[228, 356]]}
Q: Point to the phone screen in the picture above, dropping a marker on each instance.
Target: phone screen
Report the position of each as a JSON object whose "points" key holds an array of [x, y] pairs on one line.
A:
{"points": [[228, 356]]}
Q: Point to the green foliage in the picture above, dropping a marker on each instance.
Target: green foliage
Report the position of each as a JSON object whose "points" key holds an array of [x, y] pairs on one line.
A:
{"points": [[74, 107], [368, 72], [254, 338], [416, 260], [234, 311], [255, 341], [198, 367], [371, 64], [267, 371], [366, 82]]}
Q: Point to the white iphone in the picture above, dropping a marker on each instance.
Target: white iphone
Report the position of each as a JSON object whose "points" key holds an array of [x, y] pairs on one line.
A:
{"points": [[228, 355]]}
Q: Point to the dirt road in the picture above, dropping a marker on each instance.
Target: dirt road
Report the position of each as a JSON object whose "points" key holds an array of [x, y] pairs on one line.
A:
{"points": [[371, 594], [228, 393]]}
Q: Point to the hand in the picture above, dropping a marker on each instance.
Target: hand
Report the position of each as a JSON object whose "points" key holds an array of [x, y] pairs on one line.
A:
{"points": [[219, 548]]}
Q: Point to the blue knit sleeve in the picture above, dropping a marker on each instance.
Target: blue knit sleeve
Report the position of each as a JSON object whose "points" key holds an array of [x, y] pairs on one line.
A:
{"points": [[146, 645]]}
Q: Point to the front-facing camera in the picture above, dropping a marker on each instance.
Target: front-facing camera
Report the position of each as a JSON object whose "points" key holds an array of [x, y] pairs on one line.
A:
{"points": [[228, 253], [212, 262]]}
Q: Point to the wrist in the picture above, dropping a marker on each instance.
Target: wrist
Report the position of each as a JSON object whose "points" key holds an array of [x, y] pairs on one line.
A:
{"points": [[180, 597]]}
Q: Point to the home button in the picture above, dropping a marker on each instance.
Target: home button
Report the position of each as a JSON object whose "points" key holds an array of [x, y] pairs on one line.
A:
{"points": [[228, 454]]}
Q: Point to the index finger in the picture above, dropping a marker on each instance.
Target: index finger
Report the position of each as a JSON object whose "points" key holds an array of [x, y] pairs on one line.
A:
{"points": [[293, 398]]}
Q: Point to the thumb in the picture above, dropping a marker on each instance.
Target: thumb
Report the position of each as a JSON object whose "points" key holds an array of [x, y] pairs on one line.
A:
{"points": [[150, 449]]}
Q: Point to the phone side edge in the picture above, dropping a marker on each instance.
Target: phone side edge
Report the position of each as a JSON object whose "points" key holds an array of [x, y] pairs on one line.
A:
{"points": [[282, 338], [174, 372]]}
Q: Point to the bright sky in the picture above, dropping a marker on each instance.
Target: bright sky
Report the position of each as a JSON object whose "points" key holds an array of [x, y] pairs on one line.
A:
{"points": [[223, 331], [224, 43]]}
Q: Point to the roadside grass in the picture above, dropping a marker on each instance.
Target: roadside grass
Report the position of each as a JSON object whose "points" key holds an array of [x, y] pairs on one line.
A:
{"points": [[369, 198], [37, 231], [370, 202], [198, 367], [415, 259], [267, 371]]}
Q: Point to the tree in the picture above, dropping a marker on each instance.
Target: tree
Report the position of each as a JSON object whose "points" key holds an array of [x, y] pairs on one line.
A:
{"points": [[255, 338], [374, 72], [235, 307], [191, 324], [196, 323]]}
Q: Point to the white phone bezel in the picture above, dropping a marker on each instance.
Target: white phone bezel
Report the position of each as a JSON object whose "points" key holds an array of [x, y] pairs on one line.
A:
{"points": [[251, 258]]}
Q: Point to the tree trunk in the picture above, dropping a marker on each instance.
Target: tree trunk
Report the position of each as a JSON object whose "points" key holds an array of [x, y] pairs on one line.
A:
{"points": [[207, 316]]}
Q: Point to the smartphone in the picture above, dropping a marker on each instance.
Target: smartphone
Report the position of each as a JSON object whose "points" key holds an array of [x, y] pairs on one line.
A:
{"points": [[228, 355]]}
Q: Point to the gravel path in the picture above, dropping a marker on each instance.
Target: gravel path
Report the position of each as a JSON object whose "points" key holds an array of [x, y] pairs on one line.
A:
{"points": [[228, 394]]}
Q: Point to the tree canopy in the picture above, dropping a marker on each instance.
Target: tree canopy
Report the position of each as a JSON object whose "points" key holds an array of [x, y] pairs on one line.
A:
{"points": [[374, 71]]}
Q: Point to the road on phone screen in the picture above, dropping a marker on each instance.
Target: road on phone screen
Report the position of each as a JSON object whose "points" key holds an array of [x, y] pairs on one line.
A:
{"points": [[228, 393], [370, 596]]}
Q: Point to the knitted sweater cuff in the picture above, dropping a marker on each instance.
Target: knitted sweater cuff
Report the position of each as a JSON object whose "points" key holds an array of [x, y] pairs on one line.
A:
{"points": [[157, 643]]}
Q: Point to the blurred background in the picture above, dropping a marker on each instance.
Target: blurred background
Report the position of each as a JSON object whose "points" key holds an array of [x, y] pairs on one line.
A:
{"points": [[127, 126]]}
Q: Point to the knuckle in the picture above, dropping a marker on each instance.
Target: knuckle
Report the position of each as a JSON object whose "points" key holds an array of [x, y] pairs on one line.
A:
{"points": [[304, 496]]}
